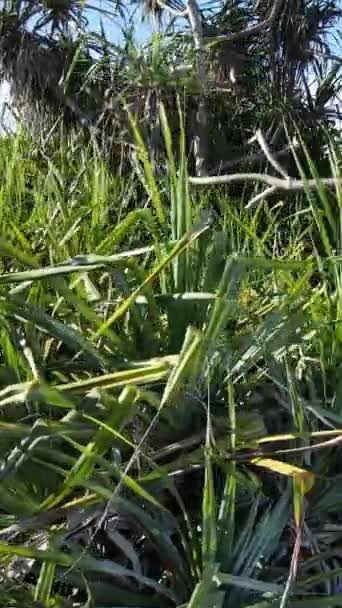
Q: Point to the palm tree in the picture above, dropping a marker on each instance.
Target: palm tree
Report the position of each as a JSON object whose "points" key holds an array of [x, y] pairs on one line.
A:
{"points": [[242, 65], [275, 47], [39, 42]]}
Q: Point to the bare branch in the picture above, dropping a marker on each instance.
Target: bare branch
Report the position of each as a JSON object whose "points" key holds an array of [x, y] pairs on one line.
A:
{"points": [[261, 197], [274, 183], [253, 159], [250, 31], [288, 184], [270, 157]]}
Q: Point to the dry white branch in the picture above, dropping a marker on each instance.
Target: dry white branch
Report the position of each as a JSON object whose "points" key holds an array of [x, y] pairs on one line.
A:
{"points": [[252, 159], [286, 184], [270, 157], [261, 197]]}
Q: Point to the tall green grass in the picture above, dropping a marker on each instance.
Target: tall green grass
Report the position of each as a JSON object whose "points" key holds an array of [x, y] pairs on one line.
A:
{"points": [[153, 349]]}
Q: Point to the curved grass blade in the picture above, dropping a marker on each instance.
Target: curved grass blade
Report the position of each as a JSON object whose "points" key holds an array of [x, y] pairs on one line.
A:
{"points": [[80, 263], [176, 250]]}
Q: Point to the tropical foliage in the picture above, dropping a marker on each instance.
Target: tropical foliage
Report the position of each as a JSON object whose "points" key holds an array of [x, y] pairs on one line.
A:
{"points": [[240, 65], [170, 352]]}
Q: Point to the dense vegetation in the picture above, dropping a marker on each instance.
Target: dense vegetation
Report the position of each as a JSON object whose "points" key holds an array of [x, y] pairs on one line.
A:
{"points": [[170, 345]]}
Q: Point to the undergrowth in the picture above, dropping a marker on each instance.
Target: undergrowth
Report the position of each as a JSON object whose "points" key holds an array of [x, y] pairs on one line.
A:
{"points": [[167, 365]]}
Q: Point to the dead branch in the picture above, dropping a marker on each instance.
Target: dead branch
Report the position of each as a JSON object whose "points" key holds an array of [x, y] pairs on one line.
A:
{"points": [[286, 184], [269, 155], [250, 31], [253, 159]]}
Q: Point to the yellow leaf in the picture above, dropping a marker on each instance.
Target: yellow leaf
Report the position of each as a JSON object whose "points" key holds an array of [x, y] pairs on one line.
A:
{"points": [[306, 478]]}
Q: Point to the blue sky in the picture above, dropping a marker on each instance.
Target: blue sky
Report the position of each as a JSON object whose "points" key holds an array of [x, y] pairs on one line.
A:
{"points": [[112, 27]]}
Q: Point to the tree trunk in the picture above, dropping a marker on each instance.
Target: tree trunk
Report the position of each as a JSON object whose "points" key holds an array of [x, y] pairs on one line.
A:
{"points": [[201, 135]]}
